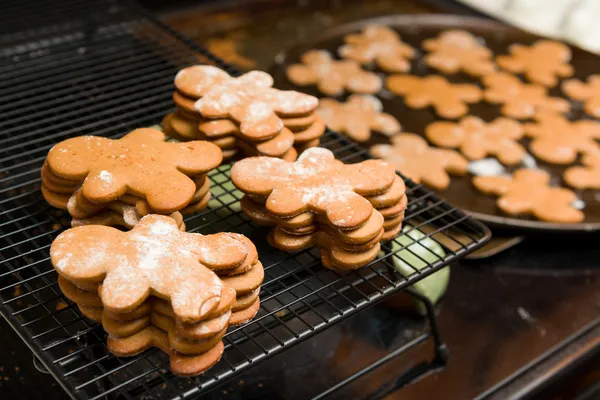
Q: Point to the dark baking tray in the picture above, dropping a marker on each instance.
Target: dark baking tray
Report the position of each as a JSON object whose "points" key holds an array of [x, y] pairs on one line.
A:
{"points": [[105, 75], [497, 36]]}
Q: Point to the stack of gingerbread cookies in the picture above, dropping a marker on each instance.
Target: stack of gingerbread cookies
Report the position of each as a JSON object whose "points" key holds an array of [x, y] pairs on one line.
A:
{"points": [[344, 209], [116, 182], [242, 114], [156, 286]]}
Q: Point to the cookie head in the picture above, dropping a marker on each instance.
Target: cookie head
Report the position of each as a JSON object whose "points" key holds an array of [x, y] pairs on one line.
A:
{"points": [[196, 80], [140, 163]]}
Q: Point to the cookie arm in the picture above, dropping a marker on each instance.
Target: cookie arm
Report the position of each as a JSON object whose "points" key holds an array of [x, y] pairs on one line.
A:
{"points": [[124, 288], [72, 158], [220, 250], [302, 75], [370, 177], [257, 175], [196, 157], [174, 193], [492, 184], [102, 186], [353, 211]]}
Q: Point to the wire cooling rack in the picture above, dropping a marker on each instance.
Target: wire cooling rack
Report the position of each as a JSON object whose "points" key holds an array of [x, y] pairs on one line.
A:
{"points": [[105, 73]]}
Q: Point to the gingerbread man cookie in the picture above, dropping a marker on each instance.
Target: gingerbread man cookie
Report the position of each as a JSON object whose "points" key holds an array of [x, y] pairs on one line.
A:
{"points": [[586, 176], [331, 76], [528, 192], [379, 44], [357, 117], [448, 99], [520, 100], [457, 50], [411, 155], [141, 163], [154, 258], [558, 141], [477, 139], [315, 182], [543, 62], [248, 99], [588, 93]]}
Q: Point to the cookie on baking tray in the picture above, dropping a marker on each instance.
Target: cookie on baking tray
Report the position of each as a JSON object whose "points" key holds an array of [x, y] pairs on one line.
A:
{"points": [[588, 93], [449, 100], [528, 192], [585, 176], [520, 100], [557, 140], [344, 209], [116, 182], [477, 139], [156, 286], [332, 77], [543, 62], [414, 158], [242, 114], [358, 117], [380, 45], [458, 50]]}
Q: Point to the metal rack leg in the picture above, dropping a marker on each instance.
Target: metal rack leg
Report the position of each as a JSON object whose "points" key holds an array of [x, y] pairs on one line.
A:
{"points": [[441, 350], [440, 358]]}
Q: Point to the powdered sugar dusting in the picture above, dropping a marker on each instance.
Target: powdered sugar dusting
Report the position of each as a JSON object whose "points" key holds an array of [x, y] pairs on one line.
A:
{"points": [[105, 176]]}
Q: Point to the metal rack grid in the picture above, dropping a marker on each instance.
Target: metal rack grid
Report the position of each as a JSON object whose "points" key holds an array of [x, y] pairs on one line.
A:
{"points": [[107, 75]]}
